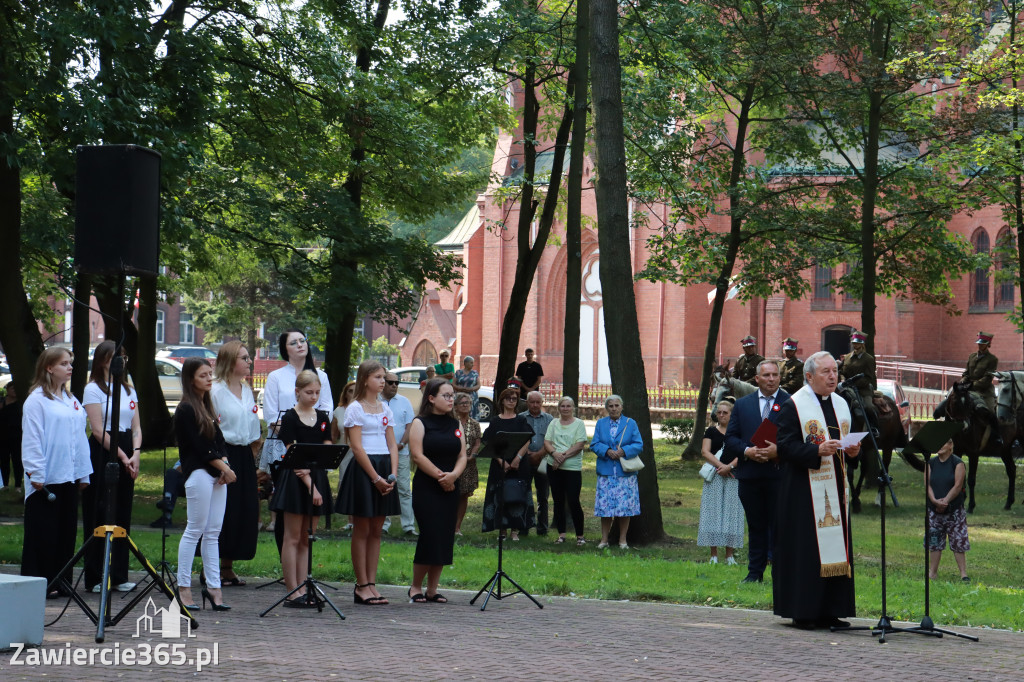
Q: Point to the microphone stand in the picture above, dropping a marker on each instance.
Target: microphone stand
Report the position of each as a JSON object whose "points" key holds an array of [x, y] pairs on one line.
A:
{"points": [[884, 626]]}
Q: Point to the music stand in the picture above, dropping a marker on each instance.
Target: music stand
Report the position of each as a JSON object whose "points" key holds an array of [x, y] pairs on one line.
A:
{"points": [[503, 448], [928, 441], [312, 456]]}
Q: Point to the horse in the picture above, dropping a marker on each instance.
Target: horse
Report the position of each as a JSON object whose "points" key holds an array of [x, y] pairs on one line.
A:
{"points": [[728, 385], [890, 435], [974, 441]]}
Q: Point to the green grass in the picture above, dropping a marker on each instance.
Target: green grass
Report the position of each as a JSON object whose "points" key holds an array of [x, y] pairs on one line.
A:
{"points": [[675, 570]]}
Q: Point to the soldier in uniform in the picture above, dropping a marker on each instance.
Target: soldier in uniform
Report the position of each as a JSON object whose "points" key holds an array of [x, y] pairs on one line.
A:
{"points": [[746, 366], [979, 366], [793, 368], [858, 361]]}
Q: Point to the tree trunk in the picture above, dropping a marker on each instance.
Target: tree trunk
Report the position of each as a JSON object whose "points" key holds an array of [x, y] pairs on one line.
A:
{"points": [[625, 358], [529, 256], [80, 336], [869, 181], [573, 221], [341, 319], [19, 333], [736, 172]]}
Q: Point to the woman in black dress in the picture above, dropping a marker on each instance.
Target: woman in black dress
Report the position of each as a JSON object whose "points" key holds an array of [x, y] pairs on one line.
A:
{"points": [[519, 513], [438, 449], [302, 424]]}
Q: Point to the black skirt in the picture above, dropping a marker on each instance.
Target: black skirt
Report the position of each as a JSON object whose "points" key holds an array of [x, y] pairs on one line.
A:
{"points": [[292, 496], [240, 530], [359, 497]]}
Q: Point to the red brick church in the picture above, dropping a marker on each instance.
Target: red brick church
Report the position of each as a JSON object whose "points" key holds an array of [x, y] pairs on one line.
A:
{"points": [[674, 320]]}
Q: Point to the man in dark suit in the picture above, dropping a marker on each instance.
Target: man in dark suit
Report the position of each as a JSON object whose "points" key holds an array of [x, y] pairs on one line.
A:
{"points": [[756, 468]]}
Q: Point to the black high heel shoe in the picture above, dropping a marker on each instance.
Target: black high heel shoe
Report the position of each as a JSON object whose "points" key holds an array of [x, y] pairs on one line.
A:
{"points": [[187, 606], [368, 601], [213, 605]]}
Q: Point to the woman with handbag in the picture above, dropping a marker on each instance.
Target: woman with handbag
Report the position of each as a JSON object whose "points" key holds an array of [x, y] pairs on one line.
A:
{"points": [[512, 477], [616, 443], [721, 515], [469, 481], [564, 441], [204, 463]]}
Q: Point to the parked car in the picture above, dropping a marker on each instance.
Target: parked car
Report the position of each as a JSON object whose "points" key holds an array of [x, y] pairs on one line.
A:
{"points": [[169, 372], [410, 378], [5, 375], [895, 391], [179, 353]]}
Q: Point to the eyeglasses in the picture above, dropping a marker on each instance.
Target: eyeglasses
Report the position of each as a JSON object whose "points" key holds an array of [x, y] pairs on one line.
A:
{"points": [[297, 342], [512, 398], [391, 383], [447, 396], [244, 357]]}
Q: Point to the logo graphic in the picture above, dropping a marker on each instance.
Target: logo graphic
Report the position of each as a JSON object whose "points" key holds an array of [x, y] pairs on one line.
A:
{"points": [[164, 622]]}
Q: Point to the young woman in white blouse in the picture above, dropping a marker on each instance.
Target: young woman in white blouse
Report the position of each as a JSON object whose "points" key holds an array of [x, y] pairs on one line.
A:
{"points": [[368, 483], [239, 422], [279, 397], [98, 402], [55, 453]]}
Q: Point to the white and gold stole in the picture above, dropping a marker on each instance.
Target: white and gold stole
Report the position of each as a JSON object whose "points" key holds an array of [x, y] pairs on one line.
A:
{"points": [[824, 482]]}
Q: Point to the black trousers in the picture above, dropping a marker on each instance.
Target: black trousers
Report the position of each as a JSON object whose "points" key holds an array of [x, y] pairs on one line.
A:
{"points": [[10, 464], [542, 486], [758, 497], [50, 531], [565, 491], [94, 513]]}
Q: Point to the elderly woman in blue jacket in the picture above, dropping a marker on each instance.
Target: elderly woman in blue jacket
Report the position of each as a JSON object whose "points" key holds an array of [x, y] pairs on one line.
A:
{"points": [[618, 495]]}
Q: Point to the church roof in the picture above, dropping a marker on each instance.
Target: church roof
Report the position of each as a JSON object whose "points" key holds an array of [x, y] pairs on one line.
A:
{"points": [[462, 232], [542, 170]]}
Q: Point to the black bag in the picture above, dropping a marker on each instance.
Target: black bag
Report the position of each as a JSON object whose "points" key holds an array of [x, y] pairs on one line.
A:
{"points": [[515, 491]]}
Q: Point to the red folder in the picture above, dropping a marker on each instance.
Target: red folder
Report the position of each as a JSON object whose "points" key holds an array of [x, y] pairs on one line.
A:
{"points": [[766, 432]]}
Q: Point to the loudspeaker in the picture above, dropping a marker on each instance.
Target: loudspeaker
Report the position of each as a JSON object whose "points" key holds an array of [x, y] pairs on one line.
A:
{"points": [[117, 210]]}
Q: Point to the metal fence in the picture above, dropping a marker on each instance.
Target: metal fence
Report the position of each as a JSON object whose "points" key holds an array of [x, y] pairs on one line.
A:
{"points": [[659, 397]]}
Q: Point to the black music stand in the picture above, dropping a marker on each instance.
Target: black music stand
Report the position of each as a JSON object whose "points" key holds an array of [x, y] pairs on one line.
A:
{"points": [[928, 441], [503, 447], [312, 456], [884, 625]]}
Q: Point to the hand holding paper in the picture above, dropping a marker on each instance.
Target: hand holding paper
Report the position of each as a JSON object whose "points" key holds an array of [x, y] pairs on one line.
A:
{"points": [[851, 439]]}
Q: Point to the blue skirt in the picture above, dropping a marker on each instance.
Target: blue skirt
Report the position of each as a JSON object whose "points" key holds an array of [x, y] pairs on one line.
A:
{"points": [[617, 496]]}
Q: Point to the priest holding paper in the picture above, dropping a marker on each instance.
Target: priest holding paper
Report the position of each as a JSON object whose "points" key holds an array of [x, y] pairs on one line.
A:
{"points": [[750, 449], [812, 571]]}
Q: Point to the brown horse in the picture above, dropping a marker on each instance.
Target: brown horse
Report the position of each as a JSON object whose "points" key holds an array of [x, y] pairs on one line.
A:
{"points": [[890, 435], [974, 441]]}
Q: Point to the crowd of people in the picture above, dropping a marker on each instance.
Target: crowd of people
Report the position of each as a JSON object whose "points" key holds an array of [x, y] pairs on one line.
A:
{"points": [[774, 457]]}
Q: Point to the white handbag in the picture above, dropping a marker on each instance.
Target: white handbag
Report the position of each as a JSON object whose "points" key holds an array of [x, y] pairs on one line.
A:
{"points": [[708, 471]]}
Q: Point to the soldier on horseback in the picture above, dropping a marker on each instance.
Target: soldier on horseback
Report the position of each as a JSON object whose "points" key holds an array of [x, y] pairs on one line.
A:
{"points": [[858, 361], [980, 366], [746, 366], [792, 370]]}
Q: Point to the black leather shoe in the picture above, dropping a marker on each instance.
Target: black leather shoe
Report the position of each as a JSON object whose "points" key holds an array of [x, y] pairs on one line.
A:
{"points": [[751, 578], [827, 623], [803, 624]]}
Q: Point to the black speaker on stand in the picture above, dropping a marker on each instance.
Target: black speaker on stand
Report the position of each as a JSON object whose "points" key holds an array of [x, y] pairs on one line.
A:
{"points": [[117, 210], [117, 213]]}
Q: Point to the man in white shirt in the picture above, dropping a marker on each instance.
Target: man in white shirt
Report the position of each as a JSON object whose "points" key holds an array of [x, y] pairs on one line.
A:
{"points": [[404, 414]]}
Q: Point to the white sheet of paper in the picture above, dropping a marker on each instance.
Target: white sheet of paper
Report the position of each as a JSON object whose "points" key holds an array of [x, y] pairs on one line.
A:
{"points": [[851, 439]]}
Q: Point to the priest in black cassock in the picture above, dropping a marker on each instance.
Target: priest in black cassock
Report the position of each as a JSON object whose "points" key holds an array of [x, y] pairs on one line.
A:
{"points": [[812, 569]]}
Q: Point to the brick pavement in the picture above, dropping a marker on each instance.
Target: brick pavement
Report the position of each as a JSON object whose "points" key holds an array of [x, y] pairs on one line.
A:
{"points": [[570, 639]]}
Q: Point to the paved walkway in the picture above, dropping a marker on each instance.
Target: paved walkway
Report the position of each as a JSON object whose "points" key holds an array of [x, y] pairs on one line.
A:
{"points": [[570, 639]]}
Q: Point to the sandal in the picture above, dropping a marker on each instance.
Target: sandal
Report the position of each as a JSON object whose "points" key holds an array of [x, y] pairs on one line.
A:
{"points": [[580, 541], [438, 598], [560, 539], [418, 598], [232, 582]]}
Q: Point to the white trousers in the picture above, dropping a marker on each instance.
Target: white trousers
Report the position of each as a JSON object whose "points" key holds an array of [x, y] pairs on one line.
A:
{"points": [[405, 491], [206, 503]]}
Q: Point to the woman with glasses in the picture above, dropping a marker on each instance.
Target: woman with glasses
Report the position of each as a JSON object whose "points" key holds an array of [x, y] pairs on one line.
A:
{"points": [[279, 397], [721, 514], [467, 381], [512, 477], [438, 448], [617, 495], [564, 442], [236, 409]]}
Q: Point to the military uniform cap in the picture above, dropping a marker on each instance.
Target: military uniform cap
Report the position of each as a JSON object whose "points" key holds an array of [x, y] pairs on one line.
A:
{"points": [[790, 344], [748, 341]]}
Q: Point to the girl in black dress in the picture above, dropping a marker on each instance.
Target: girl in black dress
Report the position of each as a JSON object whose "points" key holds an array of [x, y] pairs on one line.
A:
{"points": [[301, 424], [438, 449]]}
